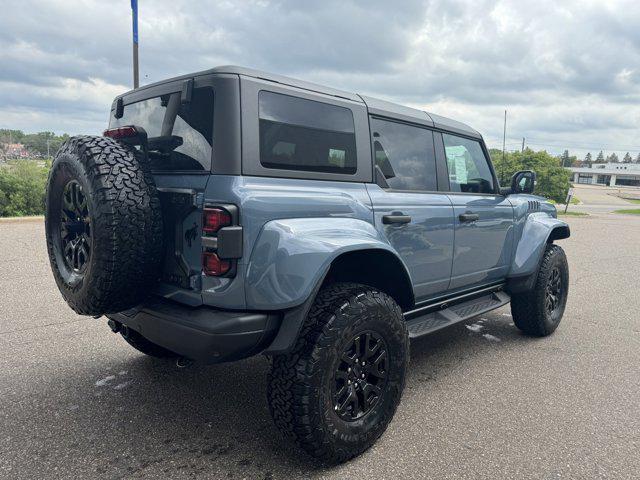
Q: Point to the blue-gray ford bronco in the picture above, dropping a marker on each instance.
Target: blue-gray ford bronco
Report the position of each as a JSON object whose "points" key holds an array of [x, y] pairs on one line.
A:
{"points": [[233, 212]]}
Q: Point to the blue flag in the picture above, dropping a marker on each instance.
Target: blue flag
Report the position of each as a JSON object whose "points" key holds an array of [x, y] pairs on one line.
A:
{"points": [[134, 11]]}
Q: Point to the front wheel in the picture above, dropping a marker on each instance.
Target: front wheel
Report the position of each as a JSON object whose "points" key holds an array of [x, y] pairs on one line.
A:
{"points": [[539, 311], [337, 391]]}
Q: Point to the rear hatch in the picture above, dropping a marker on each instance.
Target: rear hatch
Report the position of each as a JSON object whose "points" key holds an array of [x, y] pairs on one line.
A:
{"points": [[179, 129]]}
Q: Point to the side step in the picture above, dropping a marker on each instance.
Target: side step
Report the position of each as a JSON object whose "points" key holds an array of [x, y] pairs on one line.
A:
{"points": [[430, 322]]}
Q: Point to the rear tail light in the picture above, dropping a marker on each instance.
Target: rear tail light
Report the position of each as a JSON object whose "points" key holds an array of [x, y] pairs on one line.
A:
{"points": [[221, 240], [212, 265], [213, 219], [121, 132]]}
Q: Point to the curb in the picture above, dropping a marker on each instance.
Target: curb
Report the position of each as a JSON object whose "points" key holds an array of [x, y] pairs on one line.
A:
{"points": [[33, 219]]}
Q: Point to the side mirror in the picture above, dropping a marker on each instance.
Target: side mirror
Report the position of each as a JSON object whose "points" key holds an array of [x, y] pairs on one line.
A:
{"points": [[523, 181]]}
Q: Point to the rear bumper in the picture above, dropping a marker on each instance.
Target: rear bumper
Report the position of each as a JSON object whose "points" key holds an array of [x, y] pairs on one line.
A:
{"points": [[202, 333]]}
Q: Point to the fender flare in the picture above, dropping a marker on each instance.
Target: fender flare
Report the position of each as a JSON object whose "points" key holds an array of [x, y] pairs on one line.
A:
{"points": [[290, 261], [291, 256], [539, 229]]}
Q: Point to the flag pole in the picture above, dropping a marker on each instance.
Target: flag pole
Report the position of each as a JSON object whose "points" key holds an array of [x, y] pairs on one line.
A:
{"points": [[134, 17]]}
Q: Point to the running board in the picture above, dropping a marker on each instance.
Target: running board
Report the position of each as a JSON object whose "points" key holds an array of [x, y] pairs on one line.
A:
{"points": [[433, 321]]}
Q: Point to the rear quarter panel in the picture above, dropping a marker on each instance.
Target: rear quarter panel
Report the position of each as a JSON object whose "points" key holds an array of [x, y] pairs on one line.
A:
{"points": [[311, 215]]}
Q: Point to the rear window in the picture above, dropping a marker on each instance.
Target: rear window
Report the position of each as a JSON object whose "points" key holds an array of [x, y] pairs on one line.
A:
{"points": [[180, 136], [300, 134]]}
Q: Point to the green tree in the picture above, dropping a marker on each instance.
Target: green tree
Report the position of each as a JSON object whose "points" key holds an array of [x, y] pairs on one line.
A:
{"points": [[552, 179], [613, 158], [11, 136], [22, 187], [44, 143], [600, 157], [627, 158], [587, 160], [638, 158]]}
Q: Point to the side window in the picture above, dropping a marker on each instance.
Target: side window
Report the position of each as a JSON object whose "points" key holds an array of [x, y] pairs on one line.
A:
{"points": [[468, 167], [180, 136], [300, 134], [404, 154]]}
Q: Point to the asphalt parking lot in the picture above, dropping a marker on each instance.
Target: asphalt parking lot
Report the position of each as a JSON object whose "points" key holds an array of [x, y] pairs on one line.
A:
{"points": [[482, 401]]}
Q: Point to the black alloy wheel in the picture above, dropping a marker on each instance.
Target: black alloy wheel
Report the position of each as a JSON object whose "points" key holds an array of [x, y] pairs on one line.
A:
{"points": [[75, 227], [553, 292], [361, 376]]}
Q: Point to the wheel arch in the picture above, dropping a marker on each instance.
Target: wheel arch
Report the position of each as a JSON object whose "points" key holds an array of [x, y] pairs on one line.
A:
{"points": [[376, 268], [340, 270], [294, 258], [559, 232]]}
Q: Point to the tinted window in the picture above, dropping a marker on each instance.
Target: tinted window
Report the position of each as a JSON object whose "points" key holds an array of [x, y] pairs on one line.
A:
{"points": [[405, 155], [468, 167], [300, 134], [180, 136]]}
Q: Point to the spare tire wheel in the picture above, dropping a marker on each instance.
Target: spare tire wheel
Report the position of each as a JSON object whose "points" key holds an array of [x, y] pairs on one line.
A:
{"points": [[103, 225]]}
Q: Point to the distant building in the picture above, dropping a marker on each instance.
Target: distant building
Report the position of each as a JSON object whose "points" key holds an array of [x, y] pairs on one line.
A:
{"points": [[610, 174], [15, 150]]}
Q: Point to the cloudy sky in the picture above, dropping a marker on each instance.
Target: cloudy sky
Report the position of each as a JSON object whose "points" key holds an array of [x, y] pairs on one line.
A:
{"points": [[568, 72]]}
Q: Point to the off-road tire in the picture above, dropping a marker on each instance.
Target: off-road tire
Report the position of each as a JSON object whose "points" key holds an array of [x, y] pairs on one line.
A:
{"points": [[529, 310], [299, 385], [145, 346], [125, 220]]}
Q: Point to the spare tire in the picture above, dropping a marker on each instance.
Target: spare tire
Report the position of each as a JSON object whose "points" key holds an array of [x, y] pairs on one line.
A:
{"points": [[103, 225]]}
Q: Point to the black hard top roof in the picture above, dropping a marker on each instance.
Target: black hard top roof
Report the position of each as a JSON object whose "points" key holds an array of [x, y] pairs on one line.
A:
{"points": [[374, 105]]}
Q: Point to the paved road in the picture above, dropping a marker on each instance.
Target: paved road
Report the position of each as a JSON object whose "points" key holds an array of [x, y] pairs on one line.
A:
{"points": [[601, 199], [77, 402]]}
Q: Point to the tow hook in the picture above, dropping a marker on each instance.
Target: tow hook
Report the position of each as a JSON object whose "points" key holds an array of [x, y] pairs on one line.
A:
{"points": [[114, 326]]}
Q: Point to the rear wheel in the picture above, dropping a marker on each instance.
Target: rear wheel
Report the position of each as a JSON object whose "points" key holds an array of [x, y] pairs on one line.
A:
{"points": [[539, 311], [337, 391]]}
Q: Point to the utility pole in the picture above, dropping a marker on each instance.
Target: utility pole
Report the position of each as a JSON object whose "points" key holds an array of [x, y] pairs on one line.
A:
{"points": [[522, 144], [504, 140], [134, 18], [48, 155]]}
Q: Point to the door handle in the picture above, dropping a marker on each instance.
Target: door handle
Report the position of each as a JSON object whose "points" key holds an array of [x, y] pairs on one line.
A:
{"points": [[395, 218], [469, 217]]}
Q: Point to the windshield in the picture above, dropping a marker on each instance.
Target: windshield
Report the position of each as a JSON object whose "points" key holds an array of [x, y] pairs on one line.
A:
{"points": [[180, 136]]}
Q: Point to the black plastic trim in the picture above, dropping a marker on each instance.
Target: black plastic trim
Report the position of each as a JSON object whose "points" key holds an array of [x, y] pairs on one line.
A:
{"points": [[447, 300], [203, 333], [524, 283], [292, 321], [119, 113], [187, 92], [229, 242]]}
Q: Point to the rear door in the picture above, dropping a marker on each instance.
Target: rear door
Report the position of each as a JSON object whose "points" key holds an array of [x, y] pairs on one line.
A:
{"points": [[416, 219], [483, 218]]}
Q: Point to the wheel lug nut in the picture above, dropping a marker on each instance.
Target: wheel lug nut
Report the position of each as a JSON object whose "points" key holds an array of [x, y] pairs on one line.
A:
{"points": [[363, 375], [349, 370], [356, 360], [363, 364], [348, 382]]}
